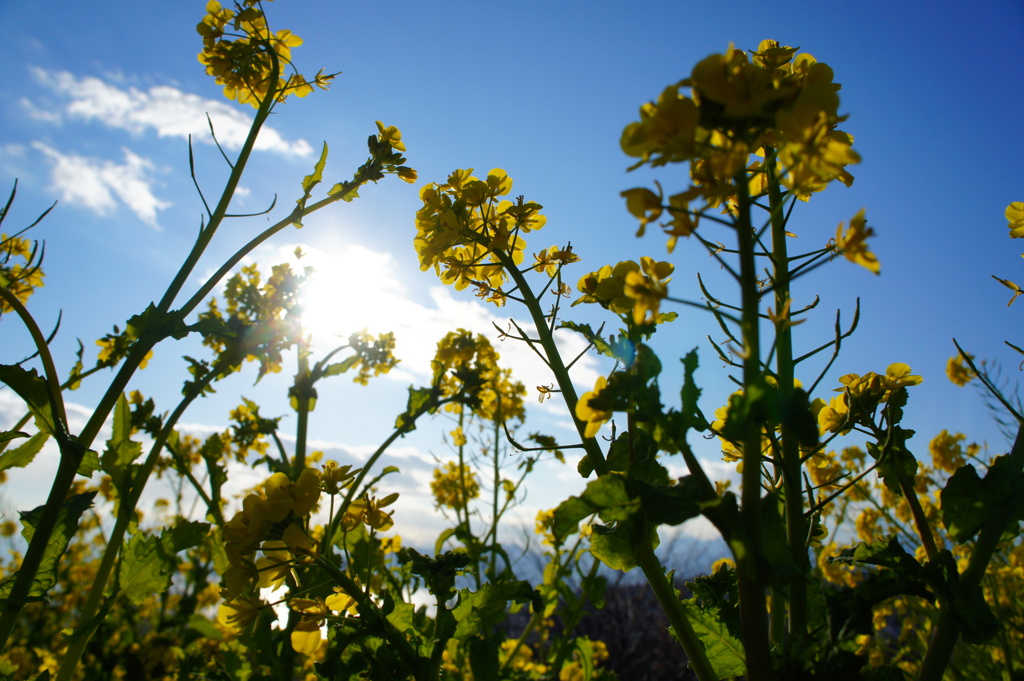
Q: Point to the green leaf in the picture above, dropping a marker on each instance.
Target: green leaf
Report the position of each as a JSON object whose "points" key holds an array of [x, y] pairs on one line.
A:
{"points": [[155, 323], [420, 400], [340, 367], [65, 528], [148, 561], [600, 344], [896, 461], [724, 651], [963, 504], [30, 387], [121, 452], [586, 656], [308, 183], [89, 464], [969, 502], [606, 496], [22, 455], [669, 505], [690, 393], [8, 435], [204, 627], [615, 546], [477, 613]]}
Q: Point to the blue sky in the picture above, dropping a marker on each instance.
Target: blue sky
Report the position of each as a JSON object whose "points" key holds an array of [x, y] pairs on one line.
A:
{"points": [[98, 100]]}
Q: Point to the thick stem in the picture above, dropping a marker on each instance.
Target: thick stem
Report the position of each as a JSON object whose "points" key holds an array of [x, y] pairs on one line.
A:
{"points": [[669, 601], [554, 359], [796, 524], [88, 620], [748, 550]]}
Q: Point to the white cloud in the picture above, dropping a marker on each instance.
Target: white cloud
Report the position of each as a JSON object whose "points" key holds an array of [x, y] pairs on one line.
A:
{"points": [[163, 109], [96, 183]]}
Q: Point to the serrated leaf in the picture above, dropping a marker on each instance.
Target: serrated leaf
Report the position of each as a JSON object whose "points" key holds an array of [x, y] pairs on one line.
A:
{"points": [[606, 496], [477, 613], [156, 323], [65, 528], [419, 399], [121, 452], [8, 435], [615, 546], [89, 464], [963, 509], [724, 651], [30, 387], [340, 367], [308, 183], [148, 561], [23, 454]]}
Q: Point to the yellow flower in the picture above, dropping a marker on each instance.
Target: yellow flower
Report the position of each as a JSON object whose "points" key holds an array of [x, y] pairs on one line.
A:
{"points": [[390, 135], [370, 510], [1015, 216], [306, 637], [594, 418], [957, 370], [898, 375], [454, 486], [947, 451], [833, 417], [239, 612], [853, 243], [336, 478], [644, 205], [340, 601]]}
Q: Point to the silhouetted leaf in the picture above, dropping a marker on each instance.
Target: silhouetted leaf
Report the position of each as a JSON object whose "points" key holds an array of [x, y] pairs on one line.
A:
{"points": [[65, 528]]}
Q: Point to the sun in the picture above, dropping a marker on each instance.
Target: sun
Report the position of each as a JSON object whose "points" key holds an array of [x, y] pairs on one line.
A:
{"points": [[349, 290]]}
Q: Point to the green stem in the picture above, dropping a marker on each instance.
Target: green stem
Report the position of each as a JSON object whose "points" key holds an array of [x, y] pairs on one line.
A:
{"points": [[303, 395], [206, 235], [70, 458], [752, 582], [554, 361], [796, 524], [669, 601], [88, 620], [495, 510]]}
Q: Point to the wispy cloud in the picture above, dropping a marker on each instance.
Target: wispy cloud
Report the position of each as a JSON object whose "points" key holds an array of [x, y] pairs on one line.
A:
{"points": [[165, 110], [98, 184]]}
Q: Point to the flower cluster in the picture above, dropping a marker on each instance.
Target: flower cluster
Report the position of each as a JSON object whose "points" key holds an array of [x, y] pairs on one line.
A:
{"points": [[375, 356], [454, 486], [259, 320], [249, 62], [774, 104], [466, 371], [1015, 218], [269, 538], [860, 396], [629, 289], [471, 236], [20, 271]]}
